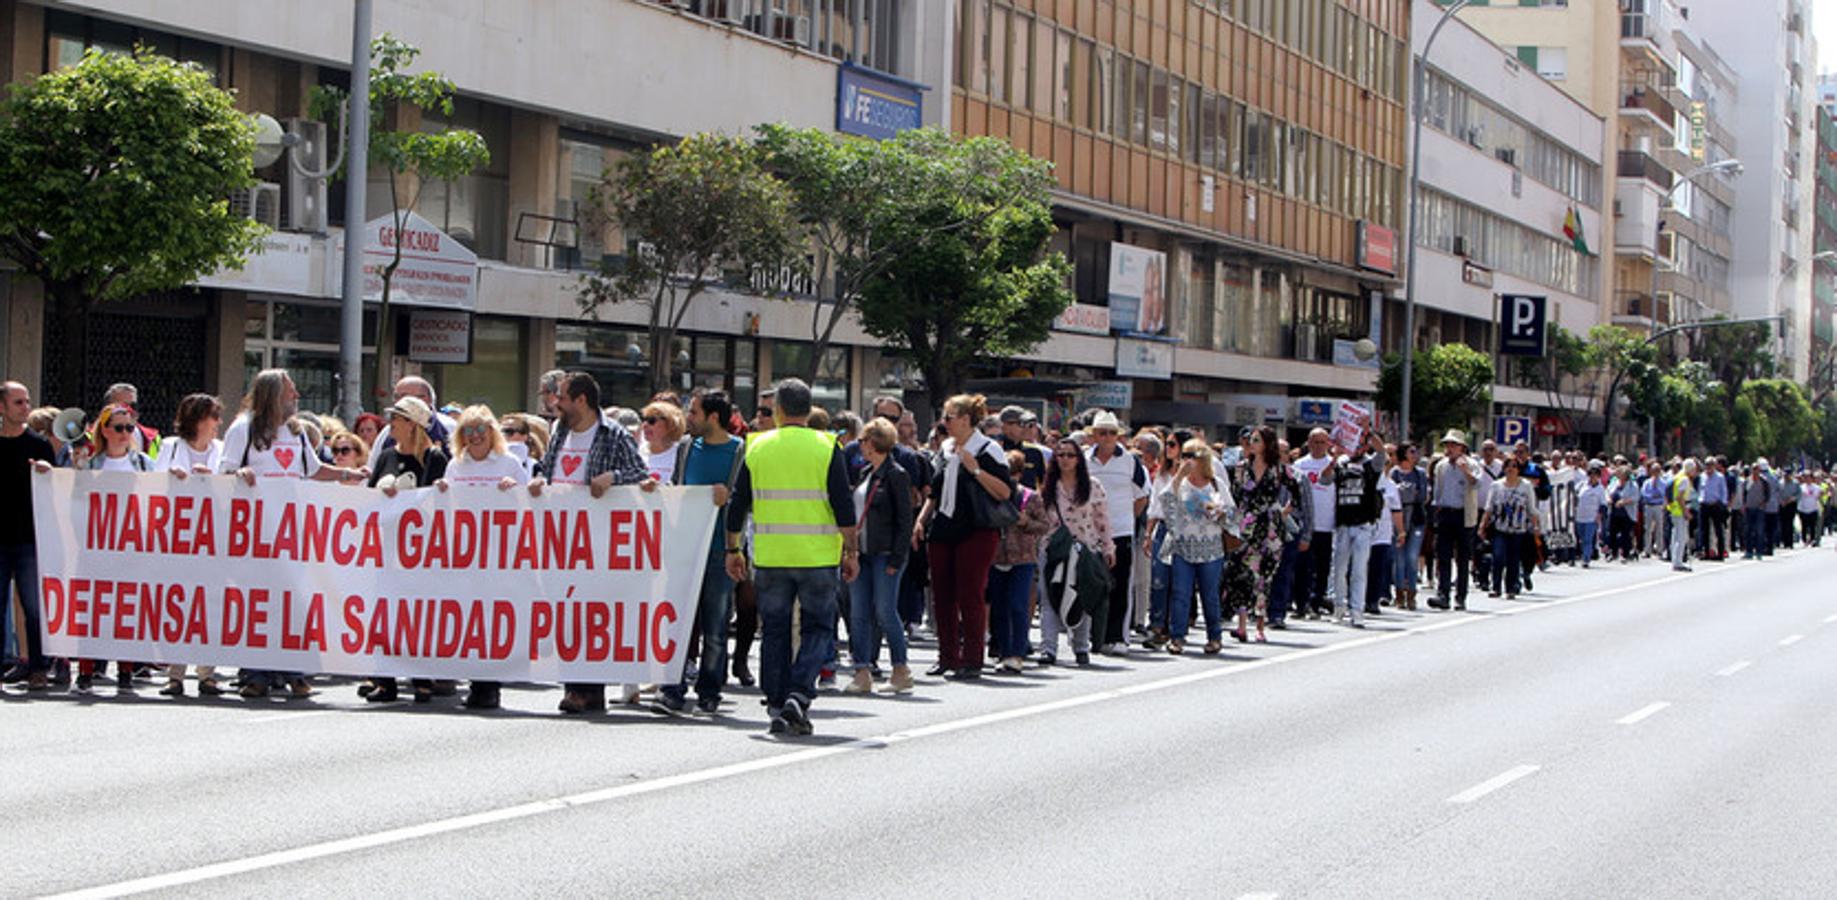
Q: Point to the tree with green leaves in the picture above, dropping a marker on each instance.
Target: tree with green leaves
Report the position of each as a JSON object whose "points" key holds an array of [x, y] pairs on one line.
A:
{"points": [[701, 208], [976, 279], [115, 178], [1631, 363], [1773, 418], [1452, 387], [411, 157], [1568, 369], [860, 202], [1735, 353]]}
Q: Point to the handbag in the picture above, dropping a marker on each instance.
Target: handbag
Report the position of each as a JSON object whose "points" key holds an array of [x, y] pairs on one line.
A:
{"points": [[988, 512]]}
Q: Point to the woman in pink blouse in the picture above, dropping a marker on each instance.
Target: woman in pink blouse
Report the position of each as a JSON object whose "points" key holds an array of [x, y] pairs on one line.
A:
{"points": [[1075, 501]]}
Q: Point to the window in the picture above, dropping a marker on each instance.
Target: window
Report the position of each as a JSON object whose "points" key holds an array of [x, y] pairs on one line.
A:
{"points": [[973, 46], [474, 209], [68, 35], [829, 389], [303, 339], [1063, 78], [1044, 93], [1020, 36], [997, 53], [1139, 104]]}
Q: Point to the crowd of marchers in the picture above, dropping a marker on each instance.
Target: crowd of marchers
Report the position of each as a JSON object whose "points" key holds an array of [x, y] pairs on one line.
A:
{"points": [[1005, 541]]}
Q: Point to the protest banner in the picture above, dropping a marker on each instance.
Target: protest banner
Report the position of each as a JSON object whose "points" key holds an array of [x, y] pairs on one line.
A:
{"points": [[317, 577], [1350, 423]]}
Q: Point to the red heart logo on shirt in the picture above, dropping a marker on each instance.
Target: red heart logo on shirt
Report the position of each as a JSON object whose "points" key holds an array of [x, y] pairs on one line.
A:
{"points": [[568, 465], [284, 456]]}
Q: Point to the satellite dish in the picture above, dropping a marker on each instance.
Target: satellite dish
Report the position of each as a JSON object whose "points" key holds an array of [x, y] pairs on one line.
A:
{"points": [[68, 426], [270, 140]]}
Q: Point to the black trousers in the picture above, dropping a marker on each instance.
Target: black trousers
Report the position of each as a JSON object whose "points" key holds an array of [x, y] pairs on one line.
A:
{"points": [[1716, 521], [1116, 618], [1453, 542], [1311, 594]]}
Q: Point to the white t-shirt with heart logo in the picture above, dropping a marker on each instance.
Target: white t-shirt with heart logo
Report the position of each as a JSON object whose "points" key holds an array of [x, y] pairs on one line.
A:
{"points": [[571, 462], [289, 456], [488, 472]]}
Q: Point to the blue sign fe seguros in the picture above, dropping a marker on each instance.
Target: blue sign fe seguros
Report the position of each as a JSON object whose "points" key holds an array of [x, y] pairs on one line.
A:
{"points": [[875, 106]]}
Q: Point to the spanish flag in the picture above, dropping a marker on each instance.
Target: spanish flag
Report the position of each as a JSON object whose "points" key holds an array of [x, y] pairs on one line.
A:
{"points": [[1572, 229]]}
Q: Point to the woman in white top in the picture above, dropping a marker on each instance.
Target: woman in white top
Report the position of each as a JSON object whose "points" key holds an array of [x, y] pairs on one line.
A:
{"points": [[481, 460], [662, 429], [116, 449], [193, 449], [526, 437], [480, 457]]}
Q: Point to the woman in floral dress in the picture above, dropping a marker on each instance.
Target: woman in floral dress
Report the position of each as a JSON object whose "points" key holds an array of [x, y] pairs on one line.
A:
{"points": [[1259, 483]]}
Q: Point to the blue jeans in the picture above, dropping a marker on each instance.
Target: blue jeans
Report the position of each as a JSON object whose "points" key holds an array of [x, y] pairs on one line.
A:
{"points": [[1506, 560], [873, 611], [1208, 574], [1754, 538], [19, 572], [1408, 560], [780, 590], [712, 608], [1159, 575], [1008, 619], [1585, 538]]}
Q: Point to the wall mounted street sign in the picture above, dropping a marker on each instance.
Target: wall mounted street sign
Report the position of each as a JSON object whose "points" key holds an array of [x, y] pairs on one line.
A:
{"points": [[1509, 430], [873, 105], [1522, 325]]}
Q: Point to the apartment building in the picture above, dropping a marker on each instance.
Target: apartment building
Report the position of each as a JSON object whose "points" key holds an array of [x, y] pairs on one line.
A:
{"points": [[1768, 43], [1252, 150], [1509, 160]]}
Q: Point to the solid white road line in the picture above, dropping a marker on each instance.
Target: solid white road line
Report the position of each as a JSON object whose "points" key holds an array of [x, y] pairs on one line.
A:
{"points": [[1732, 668], [1642, 714], [1492, 784], [363, 842], [1266, 895], [1791, 639]]}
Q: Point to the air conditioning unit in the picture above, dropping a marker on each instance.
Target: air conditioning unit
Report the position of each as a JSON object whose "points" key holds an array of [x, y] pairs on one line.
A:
{"points": [[306, 197], [1475, 134], [1507, 155], [1461, 247], [1619, 212], [1667, 249], [792, 30], [261, 203], [728, 11]]}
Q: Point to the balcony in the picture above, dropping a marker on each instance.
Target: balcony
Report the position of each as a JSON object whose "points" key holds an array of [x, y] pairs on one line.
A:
{"points": [[1638, 307], [1638, 99], [1634, 164]]}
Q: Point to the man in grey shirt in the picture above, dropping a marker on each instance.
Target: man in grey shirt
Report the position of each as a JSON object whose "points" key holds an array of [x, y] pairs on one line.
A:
{"points": [[1454, 489]]}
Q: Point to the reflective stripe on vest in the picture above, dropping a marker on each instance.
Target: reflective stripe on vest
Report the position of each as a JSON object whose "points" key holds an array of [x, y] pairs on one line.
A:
{"points": [[793, 524]]}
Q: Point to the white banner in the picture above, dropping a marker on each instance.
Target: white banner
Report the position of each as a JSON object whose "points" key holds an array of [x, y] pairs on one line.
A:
{"points": [[318, 577]]}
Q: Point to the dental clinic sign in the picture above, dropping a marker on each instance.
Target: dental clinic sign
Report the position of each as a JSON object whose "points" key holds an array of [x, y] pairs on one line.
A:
{"points": [[876, 106], [436, 269]]}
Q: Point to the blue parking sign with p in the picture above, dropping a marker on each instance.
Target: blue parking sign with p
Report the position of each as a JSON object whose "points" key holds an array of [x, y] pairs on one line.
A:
{"points": [[1509, 430]]}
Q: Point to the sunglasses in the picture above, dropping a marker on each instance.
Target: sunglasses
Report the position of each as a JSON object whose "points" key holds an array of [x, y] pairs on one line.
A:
{"points": [[344, 451], [474, 431], [652, 420], [121, 429], [1189, 456], [515, 432]]}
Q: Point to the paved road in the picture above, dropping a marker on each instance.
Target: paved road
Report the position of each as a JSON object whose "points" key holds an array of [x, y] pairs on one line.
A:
{"points": [[1622, 732]]}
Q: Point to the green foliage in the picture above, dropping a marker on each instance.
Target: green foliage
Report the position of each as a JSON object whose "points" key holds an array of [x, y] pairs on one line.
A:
{"points": [[704, 206], [972, 277], [115, 175], [1773, 418], [1452, 387]]}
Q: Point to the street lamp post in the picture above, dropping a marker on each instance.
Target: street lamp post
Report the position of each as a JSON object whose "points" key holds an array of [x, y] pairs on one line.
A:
{"points": [[357, 132], [1731, 166], [1421, 72]]}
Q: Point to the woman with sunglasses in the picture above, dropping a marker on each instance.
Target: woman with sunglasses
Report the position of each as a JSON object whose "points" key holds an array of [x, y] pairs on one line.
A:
{"points": [[481, 460], [413, 460], [1076, 502], [193, 449], [114, 449], [661, 430], [348, 449], [1196, 509], [526, 438], [1265, 488]]}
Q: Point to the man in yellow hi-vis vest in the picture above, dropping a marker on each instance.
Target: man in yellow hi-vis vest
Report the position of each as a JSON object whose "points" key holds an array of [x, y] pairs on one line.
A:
{"points": [[794, 484], [1682, 492]]}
